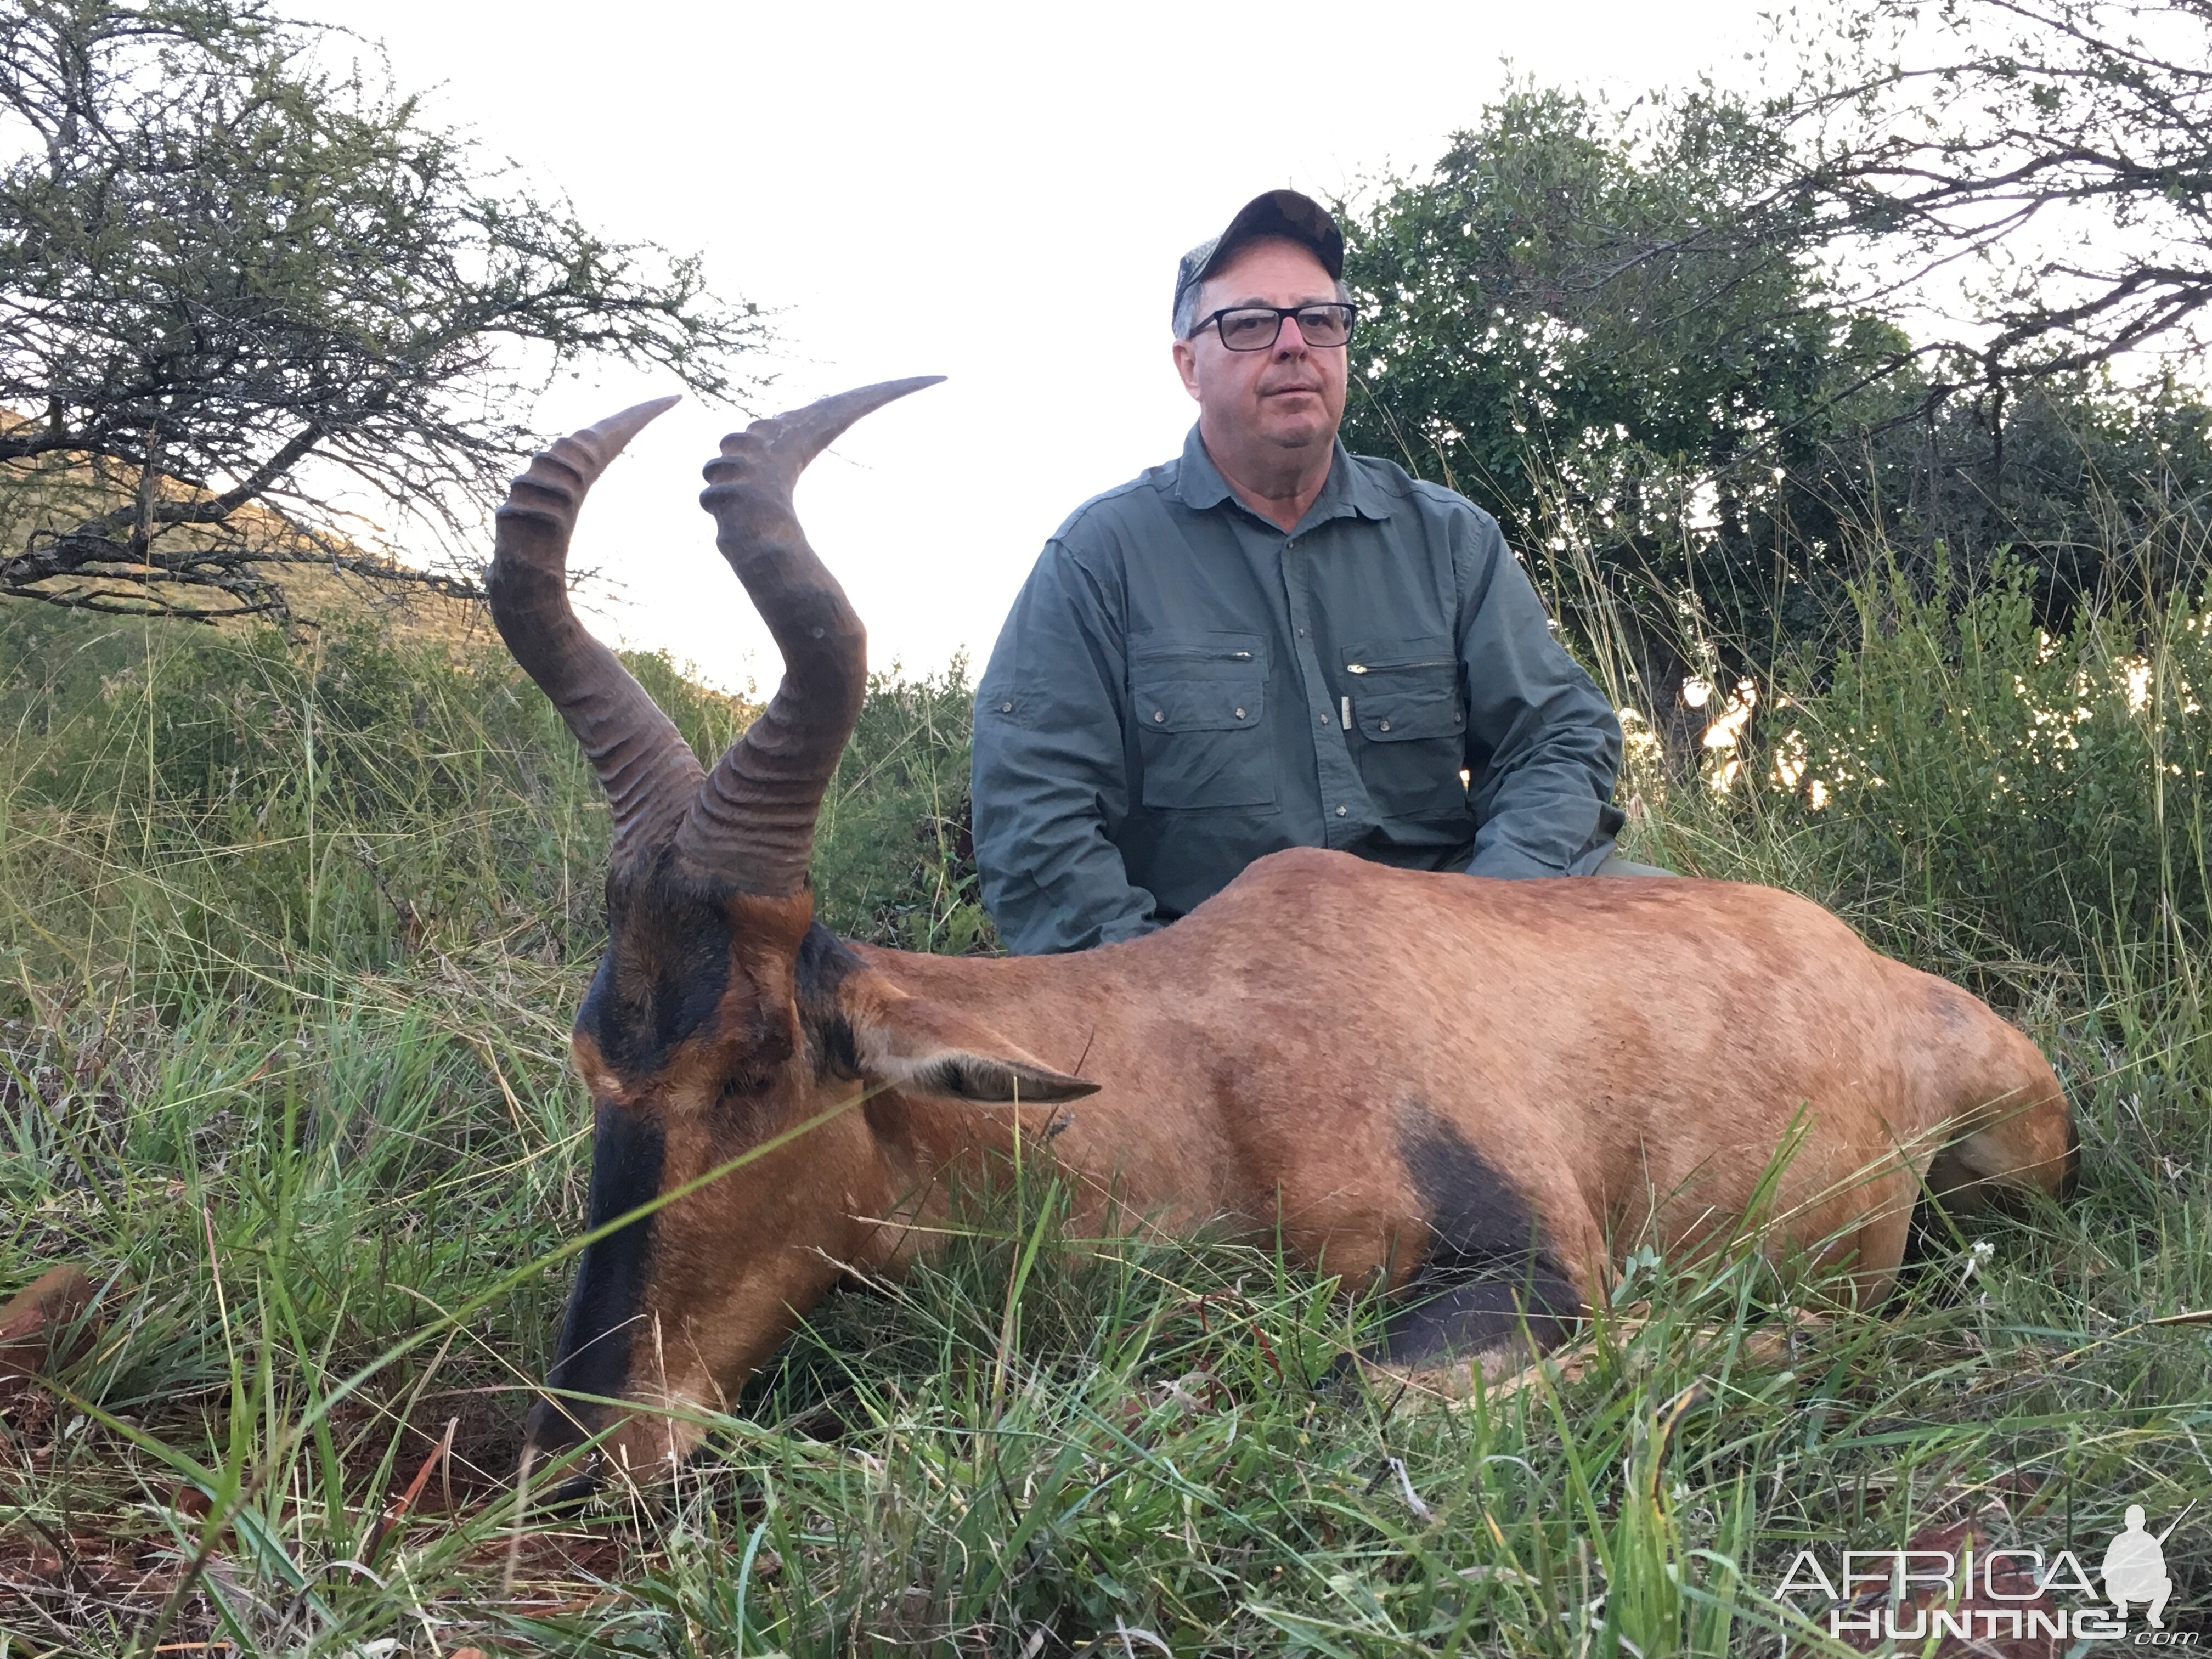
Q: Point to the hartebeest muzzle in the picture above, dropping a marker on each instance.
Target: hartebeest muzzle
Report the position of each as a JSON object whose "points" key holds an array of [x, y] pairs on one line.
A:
{"points": [[1481, 1094]]}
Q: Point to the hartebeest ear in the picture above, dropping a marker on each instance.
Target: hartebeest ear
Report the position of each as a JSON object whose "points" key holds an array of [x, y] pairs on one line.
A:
{"points": [[924, 1047]]}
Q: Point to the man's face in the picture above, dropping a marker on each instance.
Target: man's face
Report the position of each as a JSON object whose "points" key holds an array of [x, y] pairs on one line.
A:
{"points": [[1291, 397]]}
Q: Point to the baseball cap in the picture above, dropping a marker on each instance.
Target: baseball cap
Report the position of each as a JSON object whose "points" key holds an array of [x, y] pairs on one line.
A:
{"points": [[1272, 213]]}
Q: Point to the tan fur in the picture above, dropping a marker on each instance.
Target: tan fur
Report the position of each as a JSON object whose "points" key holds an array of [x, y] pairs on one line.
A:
{"points": [[1398, 1071], [1631, 1055], [33, 1326], [1606, 1041]]}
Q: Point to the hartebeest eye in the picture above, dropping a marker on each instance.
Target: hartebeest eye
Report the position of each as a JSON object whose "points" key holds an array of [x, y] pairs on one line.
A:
{"points": [[758, 1059], [756, 1075]]}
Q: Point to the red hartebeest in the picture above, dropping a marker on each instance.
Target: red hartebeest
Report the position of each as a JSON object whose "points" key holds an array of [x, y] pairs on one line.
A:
{"points": [[1468, 1088]]}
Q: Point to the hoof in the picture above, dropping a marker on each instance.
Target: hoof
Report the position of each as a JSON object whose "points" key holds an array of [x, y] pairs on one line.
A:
{"points": [[1442, 1379]]}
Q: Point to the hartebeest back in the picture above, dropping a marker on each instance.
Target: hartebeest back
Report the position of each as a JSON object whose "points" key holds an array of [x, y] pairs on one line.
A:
{"points": [[1476, 1092]]}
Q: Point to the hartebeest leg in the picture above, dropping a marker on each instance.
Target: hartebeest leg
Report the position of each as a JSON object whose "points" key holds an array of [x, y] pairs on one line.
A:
{"points": [[2012, 1131], [1494, 1277], [1480, 1320]]}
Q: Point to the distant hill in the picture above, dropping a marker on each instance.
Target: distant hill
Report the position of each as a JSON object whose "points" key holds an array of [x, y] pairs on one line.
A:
{"points": [[54, 492]]}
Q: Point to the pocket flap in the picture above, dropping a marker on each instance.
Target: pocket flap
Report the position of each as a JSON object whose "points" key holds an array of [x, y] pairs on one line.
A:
{"points": [[1403, 715], [1228, 702]]}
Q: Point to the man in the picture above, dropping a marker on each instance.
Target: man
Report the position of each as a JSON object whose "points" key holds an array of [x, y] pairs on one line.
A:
{"points": [[1269, 642]]}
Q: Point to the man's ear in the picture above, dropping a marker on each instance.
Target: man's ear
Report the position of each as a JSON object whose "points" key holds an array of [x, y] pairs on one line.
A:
{"points": [[1186, 363], [924, 1047]]}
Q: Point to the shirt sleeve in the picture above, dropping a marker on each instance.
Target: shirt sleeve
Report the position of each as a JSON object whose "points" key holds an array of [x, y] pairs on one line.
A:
{"points": [[1544, 745], [1050, 782]]}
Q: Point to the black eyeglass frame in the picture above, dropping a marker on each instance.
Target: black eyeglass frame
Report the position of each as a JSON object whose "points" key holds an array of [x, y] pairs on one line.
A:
{"points": [[1351, 324]]}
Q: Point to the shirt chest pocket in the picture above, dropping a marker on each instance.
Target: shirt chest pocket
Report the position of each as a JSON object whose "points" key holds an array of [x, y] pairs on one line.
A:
{"points": [[1412, 721], [1200, 708]]}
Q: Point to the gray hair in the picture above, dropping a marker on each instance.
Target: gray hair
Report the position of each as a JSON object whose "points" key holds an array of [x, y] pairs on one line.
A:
{"points": [[1187, 312]]}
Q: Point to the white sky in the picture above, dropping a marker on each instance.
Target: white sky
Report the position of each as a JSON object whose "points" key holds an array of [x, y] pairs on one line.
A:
{"points": [[916, 188]]}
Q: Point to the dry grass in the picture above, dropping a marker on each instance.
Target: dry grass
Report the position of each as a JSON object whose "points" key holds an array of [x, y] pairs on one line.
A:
{"points": [[289, 942]]}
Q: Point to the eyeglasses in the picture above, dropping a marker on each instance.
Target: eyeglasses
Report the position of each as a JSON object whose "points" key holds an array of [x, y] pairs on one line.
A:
{"points": [[1254, 328]]}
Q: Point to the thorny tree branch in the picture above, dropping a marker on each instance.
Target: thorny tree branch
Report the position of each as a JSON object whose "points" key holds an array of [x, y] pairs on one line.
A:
{"points": [[237, 283]]}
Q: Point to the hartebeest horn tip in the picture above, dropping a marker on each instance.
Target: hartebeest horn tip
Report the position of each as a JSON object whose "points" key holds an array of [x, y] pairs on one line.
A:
{"points": [[616, 430], [883, 391], [832, 415], [803, 433], [551, 488]]}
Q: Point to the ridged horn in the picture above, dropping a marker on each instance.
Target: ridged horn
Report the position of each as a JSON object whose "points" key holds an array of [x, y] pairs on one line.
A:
{"points": [[648, 771], [752, 822]]}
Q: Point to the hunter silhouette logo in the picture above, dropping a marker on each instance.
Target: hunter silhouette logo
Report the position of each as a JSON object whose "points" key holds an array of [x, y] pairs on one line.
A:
{"points": [[2135, 1569], [1958, 1584]]}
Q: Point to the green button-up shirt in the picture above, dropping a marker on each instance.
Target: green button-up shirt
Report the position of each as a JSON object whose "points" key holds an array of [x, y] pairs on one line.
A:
{"points": [[1181, 688]]}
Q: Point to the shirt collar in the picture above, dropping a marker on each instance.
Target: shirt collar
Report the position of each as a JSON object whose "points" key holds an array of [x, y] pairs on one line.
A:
{"points": [[1348, 491]]}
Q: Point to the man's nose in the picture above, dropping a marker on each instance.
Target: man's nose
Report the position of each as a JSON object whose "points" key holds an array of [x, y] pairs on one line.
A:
{"points": [[1289, 341]]}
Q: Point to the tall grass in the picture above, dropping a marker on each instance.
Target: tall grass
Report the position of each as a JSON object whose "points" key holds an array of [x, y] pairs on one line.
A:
{"points": [[288, 943]]}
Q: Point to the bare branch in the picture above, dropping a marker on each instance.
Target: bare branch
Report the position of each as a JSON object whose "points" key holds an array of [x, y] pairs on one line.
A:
{"points": [[234, 283]]}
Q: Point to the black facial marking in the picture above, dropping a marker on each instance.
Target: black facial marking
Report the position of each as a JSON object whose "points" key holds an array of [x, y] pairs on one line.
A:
{"points": [[825, 963], [666, 965], [1488, 1264], [609, 1295]]}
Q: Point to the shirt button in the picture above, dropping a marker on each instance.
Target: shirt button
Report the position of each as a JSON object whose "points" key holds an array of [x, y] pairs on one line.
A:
{"points": [[1386, 726], [1339, 811], [1005, 709], [1302, 633], [1159, 714], [1240, 714]]}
